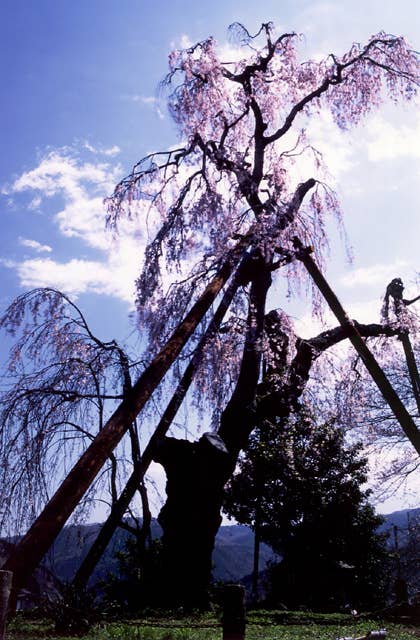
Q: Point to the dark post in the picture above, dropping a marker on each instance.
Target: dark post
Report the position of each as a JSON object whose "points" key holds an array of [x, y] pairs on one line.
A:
{"points": [[400, 591], [5, 587], [233, 619], [400, 585]]}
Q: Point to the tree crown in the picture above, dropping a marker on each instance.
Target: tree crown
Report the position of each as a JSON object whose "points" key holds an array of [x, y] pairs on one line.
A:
{"points": [[245, 162]]}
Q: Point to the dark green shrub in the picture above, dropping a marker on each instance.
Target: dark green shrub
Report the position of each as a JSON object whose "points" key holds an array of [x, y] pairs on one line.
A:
{"points": [[73, 610]]}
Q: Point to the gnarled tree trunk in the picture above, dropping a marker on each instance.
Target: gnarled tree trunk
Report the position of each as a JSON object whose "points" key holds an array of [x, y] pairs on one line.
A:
{"points": [[197, 471], [196, 474], [120, 506]]}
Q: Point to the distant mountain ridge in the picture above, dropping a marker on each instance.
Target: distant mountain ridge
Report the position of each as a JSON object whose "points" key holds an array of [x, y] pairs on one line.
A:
{"points": [[402, 519], [232, 556]]}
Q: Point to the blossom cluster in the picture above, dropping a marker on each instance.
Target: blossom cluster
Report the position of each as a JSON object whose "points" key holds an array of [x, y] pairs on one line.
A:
{"points": [[244, 155]]}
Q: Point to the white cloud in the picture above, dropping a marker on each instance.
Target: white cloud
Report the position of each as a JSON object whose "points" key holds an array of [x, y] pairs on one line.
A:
{"points": [[388, 140], [144, 99], [35, 202], [84, 218], [156, 481], [333, 26], [364, 311], [367, 311], [375, 274], [60, 171], [336, 146], [35, 245], [76, 276], [81, 187], [307, 325], [111, 151], [185, 41], [150, 101], [230, 52]]}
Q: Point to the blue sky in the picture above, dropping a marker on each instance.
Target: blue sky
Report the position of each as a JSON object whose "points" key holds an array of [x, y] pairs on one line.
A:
{"points": [[79, 106]]}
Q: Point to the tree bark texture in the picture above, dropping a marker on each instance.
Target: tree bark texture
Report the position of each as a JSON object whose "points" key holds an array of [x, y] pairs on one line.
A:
{"points": [[198, 471]]}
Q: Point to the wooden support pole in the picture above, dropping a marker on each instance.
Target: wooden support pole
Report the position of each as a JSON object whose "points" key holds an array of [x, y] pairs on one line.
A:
{"points": [[120, 506], [5, 588], [33, 546], [391, 397]]}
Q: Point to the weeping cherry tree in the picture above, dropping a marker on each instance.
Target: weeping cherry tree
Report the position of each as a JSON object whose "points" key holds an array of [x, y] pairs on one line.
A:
{"points": [[240, 202], [60, 384]]}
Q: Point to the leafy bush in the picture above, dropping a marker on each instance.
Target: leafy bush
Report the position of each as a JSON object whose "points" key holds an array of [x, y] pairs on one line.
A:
{"points": [[73, 611], [137, 587]]}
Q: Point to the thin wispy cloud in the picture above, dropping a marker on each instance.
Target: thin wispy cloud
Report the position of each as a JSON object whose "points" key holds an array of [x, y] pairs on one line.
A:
{"points": [[150, 101], [35, 245], [144, 99], [73, 277], [377, 274], [388, 140], [81, 185], [182, 42], [111, 151]]}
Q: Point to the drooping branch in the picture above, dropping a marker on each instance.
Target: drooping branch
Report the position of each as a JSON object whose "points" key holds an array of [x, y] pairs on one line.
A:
{"points": [[52, 401], [395, 290], [49, 523], [33, 546], [215, 186], [225, 129], [336, 77], [146, 168], [280, 390]]}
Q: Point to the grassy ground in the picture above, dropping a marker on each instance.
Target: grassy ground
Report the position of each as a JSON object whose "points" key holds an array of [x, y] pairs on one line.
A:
{"points": [[261, 625]]}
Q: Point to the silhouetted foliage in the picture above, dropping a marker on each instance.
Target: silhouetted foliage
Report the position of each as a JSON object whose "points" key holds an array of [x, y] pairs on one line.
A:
{"points": [[73, 611], [302, 486], [136, 587]]}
